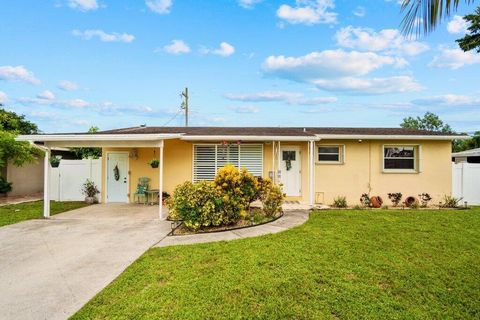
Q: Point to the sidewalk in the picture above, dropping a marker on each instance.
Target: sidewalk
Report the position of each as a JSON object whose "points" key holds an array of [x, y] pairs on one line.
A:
{"points": [[289, 220]]}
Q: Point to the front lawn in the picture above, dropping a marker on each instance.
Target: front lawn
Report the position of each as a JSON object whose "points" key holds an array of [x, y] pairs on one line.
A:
{"points": [[34, 210], [339, 265]]}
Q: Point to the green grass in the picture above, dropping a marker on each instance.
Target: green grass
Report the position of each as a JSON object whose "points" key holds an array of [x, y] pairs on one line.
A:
{"points": [[34, 210], [341, 264]]}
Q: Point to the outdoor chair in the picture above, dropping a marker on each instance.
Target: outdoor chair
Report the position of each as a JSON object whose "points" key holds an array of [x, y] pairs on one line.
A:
{"points": [[140, 193]]}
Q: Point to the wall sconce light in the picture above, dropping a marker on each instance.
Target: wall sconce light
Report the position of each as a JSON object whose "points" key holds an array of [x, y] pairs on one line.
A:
{"points": [[134, 154]]}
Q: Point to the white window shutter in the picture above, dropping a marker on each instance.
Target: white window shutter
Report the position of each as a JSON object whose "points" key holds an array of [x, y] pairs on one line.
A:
{"points": [[204, 167], [251, 158]]}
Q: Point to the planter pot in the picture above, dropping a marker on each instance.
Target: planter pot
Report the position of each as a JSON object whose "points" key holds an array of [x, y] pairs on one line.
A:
{"points": [[154, 165], [376, 201], [410, 201], [91, 200], [55, 165]]}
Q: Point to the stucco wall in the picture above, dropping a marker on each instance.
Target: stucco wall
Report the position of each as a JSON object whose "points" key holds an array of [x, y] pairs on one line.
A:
{"points": [[361, 172], [27, 179]]}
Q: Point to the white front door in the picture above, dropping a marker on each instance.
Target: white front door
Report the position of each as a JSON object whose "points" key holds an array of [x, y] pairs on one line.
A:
{"points": [[290, 174], [117, 177]]}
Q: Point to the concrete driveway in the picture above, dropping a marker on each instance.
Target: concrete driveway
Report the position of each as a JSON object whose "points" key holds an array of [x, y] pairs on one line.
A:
{"points": [[51, 268]]}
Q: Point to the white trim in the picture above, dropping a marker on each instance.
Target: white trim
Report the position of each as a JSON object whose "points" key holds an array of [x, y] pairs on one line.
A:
{"points": [[96, 137], [416, 159], [160, 183], [311, 171], [46, 184], [388, 137], [107, 172], [247, 138], [298, 150]]}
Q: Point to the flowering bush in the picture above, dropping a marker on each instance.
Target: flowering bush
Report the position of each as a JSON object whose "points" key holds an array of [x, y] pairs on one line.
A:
{"points": [[197, 204], [272, 198]]}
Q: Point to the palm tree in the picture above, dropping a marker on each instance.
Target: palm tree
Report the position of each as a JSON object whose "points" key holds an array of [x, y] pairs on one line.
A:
{"points": [[425, 15]]}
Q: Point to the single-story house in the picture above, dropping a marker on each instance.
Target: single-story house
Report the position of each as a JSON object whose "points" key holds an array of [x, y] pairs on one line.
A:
{"points": [[469, 156], [314, 165]]}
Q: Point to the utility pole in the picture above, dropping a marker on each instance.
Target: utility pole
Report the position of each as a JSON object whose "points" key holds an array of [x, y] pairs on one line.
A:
{"points": [[184, 95]]}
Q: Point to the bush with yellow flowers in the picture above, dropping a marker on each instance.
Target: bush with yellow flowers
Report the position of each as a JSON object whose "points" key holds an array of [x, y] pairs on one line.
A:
{"points": [[197, 204], [272, 198]]}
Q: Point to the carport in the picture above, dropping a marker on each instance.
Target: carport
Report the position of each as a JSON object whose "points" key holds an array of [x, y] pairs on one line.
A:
{"points": [[93, 140]]}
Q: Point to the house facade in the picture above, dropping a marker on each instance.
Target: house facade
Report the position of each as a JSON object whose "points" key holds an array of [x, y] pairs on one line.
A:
{"points": [[314, 165]]}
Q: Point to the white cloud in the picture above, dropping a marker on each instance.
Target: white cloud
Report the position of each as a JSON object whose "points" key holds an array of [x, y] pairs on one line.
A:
{"points": [[73, 103], [384, 40], [308, 12], [457, 25], [3, 97], [292, 98], [225, 49], [80, 122], [248, 4], [76, 103], [352, 85], [17, 73], [454, 59], [448, 100], [83, 5], [177, 47], [66, 85], [103, 36], [159, 6], [359, 11], [47, 95], [244, 109], [43, 115], [328, 64]]}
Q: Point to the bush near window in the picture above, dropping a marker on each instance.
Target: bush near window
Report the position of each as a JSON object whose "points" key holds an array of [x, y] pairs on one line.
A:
{"points": [[225, 200]]}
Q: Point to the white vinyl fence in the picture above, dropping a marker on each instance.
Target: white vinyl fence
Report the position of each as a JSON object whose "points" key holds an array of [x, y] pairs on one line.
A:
{"points": [[66, 181], [466, 182]]}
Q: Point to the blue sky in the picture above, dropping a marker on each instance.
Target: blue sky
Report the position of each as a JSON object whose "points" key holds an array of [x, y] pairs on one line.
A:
{"points": [[71, 64]]}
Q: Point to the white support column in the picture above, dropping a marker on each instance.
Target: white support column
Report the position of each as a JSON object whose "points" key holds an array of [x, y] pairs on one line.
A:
{"points": [[311, 171], [160, 183], [46, 184], [273, 162]]}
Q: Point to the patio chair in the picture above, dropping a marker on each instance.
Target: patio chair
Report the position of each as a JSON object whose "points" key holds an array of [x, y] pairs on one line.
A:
{"points": [[140, 193]]}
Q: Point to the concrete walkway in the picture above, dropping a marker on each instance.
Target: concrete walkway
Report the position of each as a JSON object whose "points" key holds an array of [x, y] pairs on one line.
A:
{"points": [[289, 220], [51, 268], [5, 201]]}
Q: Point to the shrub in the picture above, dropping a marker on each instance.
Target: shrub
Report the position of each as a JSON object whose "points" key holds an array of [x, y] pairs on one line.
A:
{"points": [[340, 202], [272, 197], [425, 199], [450, 202], [5, 186], [395, 198], [197, 204], [89, 189], [235, 196], [365, 200]]}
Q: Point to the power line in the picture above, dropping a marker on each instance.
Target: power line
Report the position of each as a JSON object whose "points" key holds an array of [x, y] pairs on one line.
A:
{"points": [[173, 118]]}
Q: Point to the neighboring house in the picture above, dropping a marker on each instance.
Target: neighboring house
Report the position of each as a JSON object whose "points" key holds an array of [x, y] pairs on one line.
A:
{"points": [[314, 165], [470, 156]]}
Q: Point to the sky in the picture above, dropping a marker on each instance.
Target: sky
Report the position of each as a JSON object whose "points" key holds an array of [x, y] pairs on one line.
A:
{"points": [[71, 64]]}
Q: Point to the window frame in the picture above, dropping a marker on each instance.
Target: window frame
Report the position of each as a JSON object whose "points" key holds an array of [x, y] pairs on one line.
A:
{"points": [[416, 158], [216, 145], [341, 154]]}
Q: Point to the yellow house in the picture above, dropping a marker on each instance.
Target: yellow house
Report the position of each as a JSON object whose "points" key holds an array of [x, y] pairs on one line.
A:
{"points": [[314, 165]]}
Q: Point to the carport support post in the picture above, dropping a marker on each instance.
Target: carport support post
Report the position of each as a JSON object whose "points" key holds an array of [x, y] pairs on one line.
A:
{"points": [[46, 184], [160, 182]]}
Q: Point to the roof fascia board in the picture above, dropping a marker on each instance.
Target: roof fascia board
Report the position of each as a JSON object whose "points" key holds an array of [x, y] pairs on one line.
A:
{"points": [[247, 138], [387, 137], [97, 137]]}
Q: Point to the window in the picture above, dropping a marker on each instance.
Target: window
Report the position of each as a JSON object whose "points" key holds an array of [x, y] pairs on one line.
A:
{"points": [[398, 158], [208, 158], [330, 154]]}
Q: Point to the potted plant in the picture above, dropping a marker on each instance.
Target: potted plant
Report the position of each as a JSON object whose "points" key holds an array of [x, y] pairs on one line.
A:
{"points": [[154, 163], [376, 201], [54, 162], [5, 187], [90, 190]]}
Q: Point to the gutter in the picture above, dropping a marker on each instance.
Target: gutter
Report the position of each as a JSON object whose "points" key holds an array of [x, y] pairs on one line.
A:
{"points": [[388, 137], [249, 138], [97, 137]]}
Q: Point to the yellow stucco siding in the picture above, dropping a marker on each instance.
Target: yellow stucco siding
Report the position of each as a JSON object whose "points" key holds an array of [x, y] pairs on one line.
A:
{"points": [[362, 171]]}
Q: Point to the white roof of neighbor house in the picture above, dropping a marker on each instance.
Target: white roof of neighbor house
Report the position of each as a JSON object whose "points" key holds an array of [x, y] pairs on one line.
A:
{"points": [[467, 153]]}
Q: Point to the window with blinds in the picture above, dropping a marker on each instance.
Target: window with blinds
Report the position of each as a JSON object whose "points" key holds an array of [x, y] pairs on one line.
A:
{"points": [[208, 158]]}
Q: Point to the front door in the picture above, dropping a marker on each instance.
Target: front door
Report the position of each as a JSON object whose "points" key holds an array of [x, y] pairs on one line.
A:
{"points": [[117, 177], [290, 174]]}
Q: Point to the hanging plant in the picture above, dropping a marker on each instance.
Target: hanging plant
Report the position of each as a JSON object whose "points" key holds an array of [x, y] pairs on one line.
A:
{"points": [[154, 163], [116, 173]]}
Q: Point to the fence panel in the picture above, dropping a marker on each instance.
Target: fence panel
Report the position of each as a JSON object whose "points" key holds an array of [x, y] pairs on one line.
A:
{"points": [[466, 182], [66, 181]]}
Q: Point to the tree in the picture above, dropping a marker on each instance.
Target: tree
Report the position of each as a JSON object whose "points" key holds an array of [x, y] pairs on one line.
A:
{"points": [[471, 41], [429, 12], [12, 122], [429, 121], [85, 153]]}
